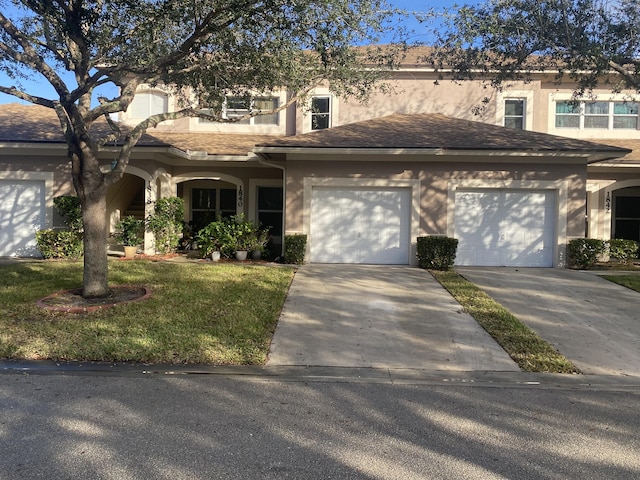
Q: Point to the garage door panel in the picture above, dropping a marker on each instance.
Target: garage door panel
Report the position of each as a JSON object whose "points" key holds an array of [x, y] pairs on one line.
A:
{"points": [[22, 213], [505, 228], [360, 226]]}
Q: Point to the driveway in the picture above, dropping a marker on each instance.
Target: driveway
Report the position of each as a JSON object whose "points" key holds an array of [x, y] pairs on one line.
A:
{"points": [[379, 316], [593, 322]]}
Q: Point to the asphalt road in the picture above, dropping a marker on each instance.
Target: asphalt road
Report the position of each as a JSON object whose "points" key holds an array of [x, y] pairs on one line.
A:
{"points": [[307, 424]]}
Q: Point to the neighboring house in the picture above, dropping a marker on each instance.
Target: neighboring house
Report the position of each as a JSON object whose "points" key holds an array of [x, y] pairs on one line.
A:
{"points": [[363, 181]]}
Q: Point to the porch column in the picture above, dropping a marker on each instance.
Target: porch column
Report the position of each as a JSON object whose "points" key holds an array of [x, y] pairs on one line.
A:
{"points": [[150, 197]]}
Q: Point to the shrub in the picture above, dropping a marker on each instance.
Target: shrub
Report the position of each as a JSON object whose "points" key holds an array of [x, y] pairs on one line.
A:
{"points": [[623, 250], [437, 253], [583, 253], [295, 247], [216, 237], [230, 235], [63, 243], [129, 231], [59, 243], [166, 223], [69, 208]]}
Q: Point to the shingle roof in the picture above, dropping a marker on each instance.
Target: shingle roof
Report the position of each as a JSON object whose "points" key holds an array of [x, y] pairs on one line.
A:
{"points": [[36, 124], [435, 131]]}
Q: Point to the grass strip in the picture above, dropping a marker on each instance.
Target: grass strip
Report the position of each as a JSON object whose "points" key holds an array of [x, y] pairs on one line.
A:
{"points": [[629, 281], [524, 346], [204, 313]]}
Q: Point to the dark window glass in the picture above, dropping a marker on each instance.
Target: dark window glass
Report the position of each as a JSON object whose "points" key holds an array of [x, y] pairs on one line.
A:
{"points": [[203, 198], [628, 207], [228, 199], [270, 198]]}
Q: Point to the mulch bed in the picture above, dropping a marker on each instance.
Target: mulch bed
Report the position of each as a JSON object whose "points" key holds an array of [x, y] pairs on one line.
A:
{"points": [[72, 301]]}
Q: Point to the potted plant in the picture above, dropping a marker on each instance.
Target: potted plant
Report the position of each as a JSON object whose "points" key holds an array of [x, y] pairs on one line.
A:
{"points": [[215, 239], [260, 241], [129, 234]]}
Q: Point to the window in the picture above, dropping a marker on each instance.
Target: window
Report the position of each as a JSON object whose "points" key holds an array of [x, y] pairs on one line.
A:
{"points": [[148, 103], [597, 115], [270, 210], [238, 107], [208, 204], [514, 113], [320, 113]]}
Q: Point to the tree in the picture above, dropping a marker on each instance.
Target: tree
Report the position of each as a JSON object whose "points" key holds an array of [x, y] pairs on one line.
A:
{"points": [[592, 42], [203, 49]]}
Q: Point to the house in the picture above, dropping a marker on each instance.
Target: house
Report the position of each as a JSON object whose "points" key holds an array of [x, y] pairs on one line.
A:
{"points": [[514, 182]]}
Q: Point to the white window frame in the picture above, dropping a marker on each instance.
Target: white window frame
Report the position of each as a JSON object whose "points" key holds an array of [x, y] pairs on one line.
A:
{"points": [[526, 96], [523, 116], [153, 99], [328, 113], [230, 114], [582, 131]]}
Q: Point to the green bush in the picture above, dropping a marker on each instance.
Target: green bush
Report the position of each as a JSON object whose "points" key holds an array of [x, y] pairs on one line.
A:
{"points": [[130, 231], [166, 223], [63, 243], [437, 253], [295, 247], [59, 243], [583, 253], [623, 250], [230, 235], [69, 208], [216, 237]]}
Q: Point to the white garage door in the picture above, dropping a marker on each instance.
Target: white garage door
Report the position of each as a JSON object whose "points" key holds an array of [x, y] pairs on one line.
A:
{"points": [[505, 228], [22, 213], [352, 225]]}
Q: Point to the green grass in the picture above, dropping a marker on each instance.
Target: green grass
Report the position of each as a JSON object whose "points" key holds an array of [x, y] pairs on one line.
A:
{"points": [[629, 281], [524, 346], [223, 314]]}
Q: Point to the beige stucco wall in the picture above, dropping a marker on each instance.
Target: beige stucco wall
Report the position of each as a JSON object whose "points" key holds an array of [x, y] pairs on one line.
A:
{"points": [[437, 184]]}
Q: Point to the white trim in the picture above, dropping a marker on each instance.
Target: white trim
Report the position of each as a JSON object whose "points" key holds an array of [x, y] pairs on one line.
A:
{"points": [[560, 187], [340, 182], [254, 183], [526, 95]]}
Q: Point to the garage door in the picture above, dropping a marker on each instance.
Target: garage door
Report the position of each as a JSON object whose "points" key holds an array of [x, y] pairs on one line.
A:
{"points": [[22, 213], [368, 226], [505, 228]]}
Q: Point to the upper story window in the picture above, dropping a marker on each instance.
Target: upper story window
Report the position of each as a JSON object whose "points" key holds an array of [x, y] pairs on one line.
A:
{"points": [[515, 113], [149, 103], [597, 115], [238, 107], [320, 112]]}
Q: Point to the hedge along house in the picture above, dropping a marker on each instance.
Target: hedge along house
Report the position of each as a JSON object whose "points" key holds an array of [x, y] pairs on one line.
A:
{"points": [[363, 192]]}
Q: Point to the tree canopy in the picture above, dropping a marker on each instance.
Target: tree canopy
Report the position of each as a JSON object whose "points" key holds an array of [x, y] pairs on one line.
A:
{"points": [[96, 53], [595, 43]]}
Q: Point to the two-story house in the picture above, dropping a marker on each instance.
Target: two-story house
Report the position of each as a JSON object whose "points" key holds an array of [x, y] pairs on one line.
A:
{"points": [[514, 181]]}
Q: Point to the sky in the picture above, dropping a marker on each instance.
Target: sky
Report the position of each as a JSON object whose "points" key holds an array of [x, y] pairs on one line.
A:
{"points": [[413, 6]]}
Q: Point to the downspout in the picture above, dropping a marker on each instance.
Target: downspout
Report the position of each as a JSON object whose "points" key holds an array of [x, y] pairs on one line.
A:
{"points": [[263, 158]]}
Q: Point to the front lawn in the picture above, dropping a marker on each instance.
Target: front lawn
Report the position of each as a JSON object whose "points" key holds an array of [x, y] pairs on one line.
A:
{"points": [[222, 314]]}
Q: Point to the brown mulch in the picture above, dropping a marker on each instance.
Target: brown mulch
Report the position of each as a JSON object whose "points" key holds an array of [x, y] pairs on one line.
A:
{"points": [[72, 300]]}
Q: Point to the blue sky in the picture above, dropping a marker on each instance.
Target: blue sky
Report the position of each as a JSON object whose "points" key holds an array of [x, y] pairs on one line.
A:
{"points": [[416, 6]]}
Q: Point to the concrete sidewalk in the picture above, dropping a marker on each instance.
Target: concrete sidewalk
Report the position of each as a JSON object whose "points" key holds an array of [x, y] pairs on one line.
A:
{"points": [[379, 316], [593, 322]]}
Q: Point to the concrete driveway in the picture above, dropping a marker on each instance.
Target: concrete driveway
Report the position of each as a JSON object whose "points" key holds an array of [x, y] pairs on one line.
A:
{"points": [[593, 322], [379, 316]]}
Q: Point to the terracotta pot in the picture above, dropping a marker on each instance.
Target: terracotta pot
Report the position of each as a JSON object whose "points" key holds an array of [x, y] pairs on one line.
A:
{"points": [[130, 251]]}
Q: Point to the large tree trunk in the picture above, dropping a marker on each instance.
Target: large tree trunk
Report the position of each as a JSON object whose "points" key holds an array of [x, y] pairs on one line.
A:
{"points": [[95, 282]]}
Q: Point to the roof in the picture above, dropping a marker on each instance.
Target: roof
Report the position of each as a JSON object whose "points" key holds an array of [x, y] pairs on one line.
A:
{"points": [[37, 124], [434, 131]]}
